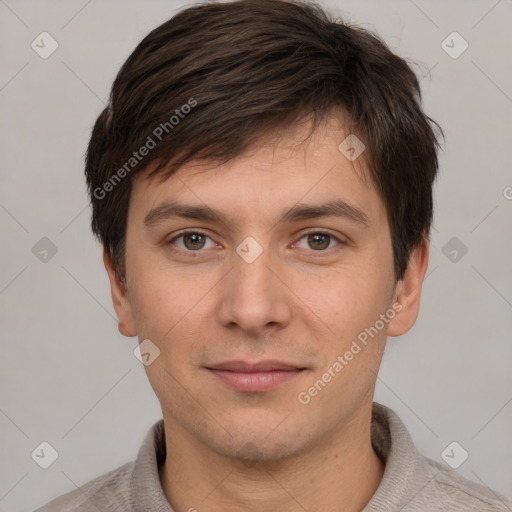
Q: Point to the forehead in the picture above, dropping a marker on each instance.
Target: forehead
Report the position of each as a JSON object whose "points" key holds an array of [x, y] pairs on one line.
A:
{"points": [[278, 170]]}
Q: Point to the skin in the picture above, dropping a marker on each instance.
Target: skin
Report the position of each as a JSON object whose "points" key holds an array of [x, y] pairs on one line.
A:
{"points": [[301, 301]]}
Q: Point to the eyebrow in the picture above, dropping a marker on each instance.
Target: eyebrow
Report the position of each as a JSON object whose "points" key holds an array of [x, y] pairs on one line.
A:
{"points": [[298, 212]]}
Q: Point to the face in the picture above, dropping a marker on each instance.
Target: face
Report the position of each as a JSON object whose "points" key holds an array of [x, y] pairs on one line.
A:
{"points": [[242, 264]]}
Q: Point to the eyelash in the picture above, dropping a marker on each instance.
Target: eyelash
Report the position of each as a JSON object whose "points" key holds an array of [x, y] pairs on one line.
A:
{"points": [[199, 232]]}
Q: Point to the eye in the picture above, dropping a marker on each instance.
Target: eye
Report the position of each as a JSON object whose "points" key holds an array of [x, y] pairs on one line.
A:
{"points": [[192, 241], [318, 241]]}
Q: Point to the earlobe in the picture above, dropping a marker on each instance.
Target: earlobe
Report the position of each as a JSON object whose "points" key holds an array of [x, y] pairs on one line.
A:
{"points": [[408, 291], [120, 300]]}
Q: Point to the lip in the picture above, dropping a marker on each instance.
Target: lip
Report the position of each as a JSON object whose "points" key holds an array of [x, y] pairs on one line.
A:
{"points": [[260, 366], [255, 377]]}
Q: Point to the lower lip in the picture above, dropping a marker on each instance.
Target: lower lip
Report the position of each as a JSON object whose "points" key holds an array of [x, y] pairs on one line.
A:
{"points": [[256, 382]]}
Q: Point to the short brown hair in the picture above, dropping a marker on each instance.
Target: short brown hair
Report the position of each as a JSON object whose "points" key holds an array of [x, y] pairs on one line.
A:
{"points": [[207, 82]]}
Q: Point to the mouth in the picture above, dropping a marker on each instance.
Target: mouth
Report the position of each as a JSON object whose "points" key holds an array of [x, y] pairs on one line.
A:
{"points": [[255, 377]]}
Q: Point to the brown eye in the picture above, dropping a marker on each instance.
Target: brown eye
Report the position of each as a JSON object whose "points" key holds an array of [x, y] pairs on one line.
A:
{"points": [[319, 241], [192, 241]]}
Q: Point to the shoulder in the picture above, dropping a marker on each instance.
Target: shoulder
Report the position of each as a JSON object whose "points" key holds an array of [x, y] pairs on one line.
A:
{"points": [[415, 483], [454, 492], [110, 491], [125, 489]]}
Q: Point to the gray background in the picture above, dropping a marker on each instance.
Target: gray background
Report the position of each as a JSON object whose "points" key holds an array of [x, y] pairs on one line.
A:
{"points": [[69, 378]]}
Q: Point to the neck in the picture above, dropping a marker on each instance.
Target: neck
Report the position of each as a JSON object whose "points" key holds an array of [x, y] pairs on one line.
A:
{"points": [[341, 474]]}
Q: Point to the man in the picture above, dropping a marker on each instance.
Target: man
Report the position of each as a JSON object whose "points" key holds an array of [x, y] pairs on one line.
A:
{"points": [[261, 182]]}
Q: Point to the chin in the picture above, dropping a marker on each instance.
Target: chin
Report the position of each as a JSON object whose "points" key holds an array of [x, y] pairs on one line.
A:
{"points": [[267, 443]]}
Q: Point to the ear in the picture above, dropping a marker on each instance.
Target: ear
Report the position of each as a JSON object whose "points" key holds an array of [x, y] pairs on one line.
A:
{"points": [[120, 299], [408, 291]]}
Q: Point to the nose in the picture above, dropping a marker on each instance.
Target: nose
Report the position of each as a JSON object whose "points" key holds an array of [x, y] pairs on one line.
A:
{"points": [[254, 297]]}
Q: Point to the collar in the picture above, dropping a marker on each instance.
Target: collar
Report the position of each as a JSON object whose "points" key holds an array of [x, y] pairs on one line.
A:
{"points": [[390, 439]]}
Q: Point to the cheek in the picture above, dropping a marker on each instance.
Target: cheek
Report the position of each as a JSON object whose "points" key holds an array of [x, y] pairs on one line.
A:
{"points": [[173, 311], [350, 307], [346, 300], [159, 310]]}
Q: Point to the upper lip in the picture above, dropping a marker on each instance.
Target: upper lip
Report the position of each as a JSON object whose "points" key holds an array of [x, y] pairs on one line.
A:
{"points": [[260, 366]]}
